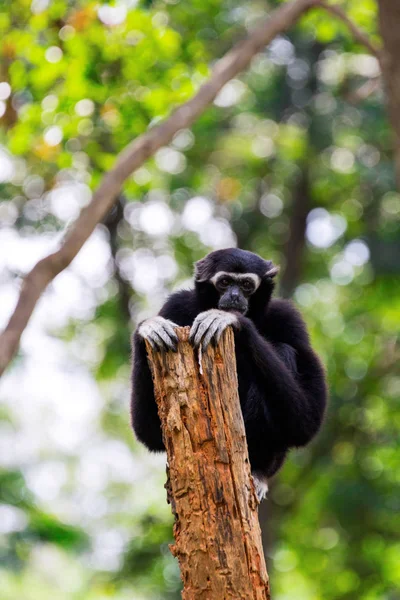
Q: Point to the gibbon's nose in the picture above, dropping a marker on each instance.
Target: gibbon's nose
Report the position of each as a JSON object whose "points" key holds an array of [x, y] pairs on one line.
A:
{"points": [[235, 294]]}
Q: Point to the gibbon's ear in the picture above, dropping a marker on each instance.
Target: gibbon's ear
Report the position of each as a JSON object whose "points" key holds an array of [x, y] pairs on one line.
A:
{"points": [[203, 269], [272, 271]]}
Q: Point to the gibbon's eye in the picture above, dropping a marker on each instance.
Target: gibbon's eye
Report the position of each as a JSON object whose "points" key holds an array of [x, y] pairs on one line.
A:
{"points": [[247, 286], [223, 282]]}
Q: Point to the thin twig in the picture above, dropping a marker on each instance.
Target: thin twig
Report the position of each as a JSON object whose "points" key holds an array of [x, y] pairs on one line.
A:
{"points": [[136, 153], [364, 91], [357, 33]]}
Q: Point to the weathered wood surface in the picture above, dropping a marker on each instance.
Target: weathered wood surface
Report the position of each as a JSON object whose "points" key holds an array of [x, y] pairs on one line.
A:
{"points": [[217, 533]]}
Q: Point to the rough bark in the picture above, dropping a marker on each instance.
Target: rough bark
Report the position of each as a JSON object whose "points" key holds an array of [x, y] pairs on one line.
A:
{"points": [[389, 21], [217, 533]]}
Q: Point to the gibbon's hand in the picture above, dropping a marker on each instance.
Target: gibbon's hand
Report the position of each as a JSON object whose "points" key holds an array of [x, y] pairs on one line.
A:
{"points": [[160, 333], [209, 325]]}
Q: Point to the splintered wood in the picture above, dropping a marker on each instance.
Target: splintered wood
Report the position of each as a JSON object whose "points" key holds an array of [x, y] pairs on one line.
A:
{"points": [[217, 533]]}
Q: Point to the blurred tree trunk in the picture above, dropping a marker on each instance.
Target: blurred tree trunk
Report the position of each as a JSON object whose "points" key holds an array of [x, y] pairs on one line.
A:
{"points": [[294, 249], [302, 189], [217, 534], [389, 20]]}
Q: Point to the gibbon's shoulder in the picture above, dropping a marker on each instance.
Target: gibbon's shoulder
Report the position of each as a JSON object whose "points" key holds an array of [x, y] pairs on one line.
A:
{"points": [[181, 307], [284, 323]]}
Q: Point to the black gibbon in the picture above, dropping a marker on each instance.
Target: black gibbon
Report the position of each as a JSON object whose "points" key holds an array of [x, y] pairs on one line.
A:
{"points": [[282, 385]]}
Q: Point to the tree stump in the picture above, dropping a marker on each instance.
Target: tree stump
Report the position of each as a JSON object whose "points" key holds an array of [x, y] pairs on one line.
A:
{"points": [[216, 530]]}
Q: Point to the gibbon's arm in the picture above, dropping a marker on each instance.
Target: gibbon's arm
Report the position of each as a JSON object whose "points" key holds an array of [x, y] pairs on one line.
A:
{"points": [[181, 308], [293, 381], [144, 415]]}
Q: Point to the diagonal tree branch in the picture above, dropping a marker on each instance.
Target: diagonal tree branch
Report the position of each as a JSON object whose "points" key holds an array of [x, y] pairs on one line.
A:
{"points": [[136, 153]]}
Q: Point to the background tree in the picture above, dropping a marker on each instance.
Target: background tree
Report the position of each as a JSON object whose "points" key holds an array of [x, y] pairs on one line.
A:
{"points": [[300, 143]]}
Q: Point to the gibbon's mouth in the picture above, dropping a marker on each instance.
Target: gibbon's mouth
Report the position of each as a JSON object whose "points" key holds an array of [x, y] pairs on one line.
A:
{"points": [[240, 308]]}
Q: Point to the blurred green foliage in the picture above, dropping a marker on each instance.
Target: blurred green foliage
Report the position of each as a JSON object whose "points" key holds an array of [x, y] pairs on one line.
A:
{"points": [[305, 126]]}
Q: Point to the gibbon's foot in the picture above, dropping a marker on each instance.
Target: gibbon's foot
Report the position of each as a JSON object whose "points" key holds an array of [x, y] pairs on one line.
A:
{"points": [[209, 325], [261, 485], [160, 333]]}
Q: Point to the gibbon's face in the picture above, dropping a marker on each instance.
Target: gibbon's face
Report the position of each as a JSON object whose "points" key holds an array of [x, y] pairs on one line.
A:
{"points": [[235, 289], [235, 275]]}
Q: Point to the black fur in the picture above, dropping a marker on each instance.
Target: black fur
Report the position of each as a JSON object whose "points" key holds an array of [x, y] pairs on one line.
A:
{"points": [[281, 381]]}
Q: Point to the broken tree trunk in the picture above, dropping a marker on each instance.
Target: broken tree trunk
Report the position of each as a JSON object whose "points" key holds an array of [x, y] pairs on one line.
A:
{"points": [[217, 533]]}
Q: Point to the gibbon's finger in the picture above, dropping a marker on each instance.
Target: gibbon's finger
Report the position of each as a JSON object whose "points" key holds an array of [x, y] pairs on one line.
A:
{"points": [[162, 332], [173, 344], [195, 334], [170, 329], [204, 327], [151, 342], [206, 317], [168, 326], [154, 330], [210, 334], [220, 330], [217, 336], [227, 320], [158, 324], [144, 329], [261, 485], [146, 332], [197, 322], [193, 329], [158, 341]]}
